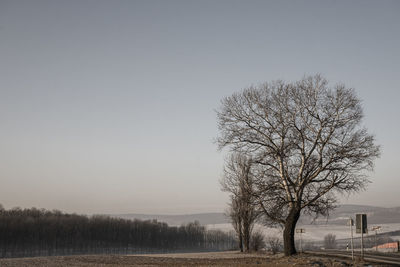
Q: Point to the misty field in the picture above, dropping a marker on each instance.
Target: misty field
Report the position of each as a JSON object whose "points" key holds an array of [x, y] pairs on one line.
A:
{"points": [[314, 232]]}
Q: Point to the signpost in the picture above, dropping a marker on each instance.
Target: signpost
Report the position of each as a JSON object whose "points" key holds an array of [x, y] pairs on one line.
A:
{"points": [[376, 228], [361, 227], [351, 223], [300, 231]]}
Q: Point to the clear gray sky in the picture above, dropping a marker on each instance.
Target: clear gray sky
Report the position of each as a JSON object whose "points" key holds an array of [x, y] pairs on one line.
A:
{"points": [[108, 106]]}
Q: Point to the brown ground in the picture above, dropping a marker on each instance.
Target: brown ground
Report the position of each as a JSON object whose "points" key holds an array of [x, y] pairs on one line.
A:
{"points": [[185, 259]]}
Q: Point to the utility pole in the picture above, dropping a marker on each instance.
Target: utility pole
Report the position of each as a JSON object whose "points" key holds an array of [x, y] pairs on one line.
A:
{"points": [[351, 223], [301, 245], [301, 231], [362, 240]]}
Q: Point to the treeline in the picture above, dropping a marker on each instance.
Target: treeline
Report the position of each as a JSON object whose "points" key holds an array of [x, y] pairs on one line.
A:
{"points": [[39, 232]]}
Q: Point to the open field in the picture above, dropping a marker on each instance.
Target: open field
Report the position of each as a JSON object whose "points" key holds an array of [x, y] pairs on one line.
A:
{"points": [[186, 259]]}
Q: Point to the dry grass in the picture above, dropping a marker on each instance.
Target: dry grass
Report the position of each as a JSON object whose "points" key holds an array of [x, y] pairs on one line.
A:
{"points": [[184, 259]]}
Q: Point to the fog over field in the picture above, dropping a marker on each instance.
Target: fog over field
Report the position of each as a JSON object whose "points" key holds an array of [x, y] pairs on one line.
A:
{"points": [[336, 223], [339, 216], [317, 232]]}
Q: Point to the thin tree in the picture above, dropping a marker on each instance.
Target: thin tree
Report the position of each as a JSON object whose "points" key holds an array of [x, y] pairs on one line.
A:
{"points": [[236, 220], [238, 180], [308, 143]]}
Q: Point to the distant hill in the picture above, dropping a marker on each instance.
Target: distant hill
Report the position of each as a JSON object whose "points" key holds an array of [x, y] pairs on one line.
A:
{"points": [[375, 215], [202, 218], [340, 215]]}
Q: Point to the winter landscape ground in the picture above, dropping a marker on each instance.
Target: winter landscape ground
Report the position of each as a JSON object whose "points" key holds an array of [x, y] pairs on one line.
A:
{"points": [[188, 259]]}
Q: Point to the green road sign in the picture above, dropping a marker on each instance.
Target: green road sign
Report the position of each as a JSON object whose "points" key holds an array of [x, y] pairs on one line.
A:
{"points": [[361, 223]]}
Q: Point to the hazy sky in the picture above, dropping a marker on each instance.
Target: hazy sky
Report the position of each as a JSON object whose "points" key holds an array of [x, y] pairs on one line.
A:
{"points": [[109, 106]]}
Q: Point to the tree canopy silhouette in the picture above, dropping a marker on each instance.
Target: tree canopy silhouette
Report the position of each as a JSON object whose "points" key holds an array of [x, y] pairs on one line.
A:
{"points": [[39, 232]]}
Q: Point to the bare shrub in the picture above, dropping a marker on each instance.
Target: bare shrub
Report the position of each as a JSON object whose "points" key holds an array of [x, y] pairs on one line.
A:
{"points": [[274, 244], [330, 241], [257, 241]]}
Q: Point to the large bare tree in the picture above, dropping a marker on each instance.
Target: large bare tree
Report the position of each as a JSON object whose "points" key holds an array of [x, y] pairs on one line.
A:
{"points": [[238, 180], [308, 143]]}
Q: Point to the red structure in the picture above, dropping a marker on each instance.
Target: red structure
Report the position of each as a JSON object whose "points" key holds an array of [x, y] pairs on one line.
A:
{"points": [[393, 246]]}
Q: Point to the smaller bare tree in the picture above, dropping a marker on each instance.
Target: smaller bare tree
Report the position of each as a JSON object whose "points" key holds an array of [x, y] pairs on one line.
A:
{"points": [[236, 219], [239, 181]]}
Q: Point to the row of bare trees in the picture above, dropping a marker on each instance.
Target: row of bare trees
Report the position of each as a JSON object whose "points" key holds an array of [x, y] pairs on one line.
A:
{"points": [[294, 146], [38, 232]]}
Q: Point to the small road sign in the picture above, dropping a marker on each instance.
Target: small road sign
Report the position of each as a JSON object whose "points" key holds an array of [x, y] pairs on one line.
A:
{"points": [[376, 228], [350, 222]]}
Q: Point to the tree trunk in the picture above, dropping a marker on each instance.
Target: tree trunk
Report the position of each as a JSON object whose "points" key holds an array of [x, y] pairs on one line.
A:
{"points": [[240, 243], [246, 237], [288, 233], [240, 236]]}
